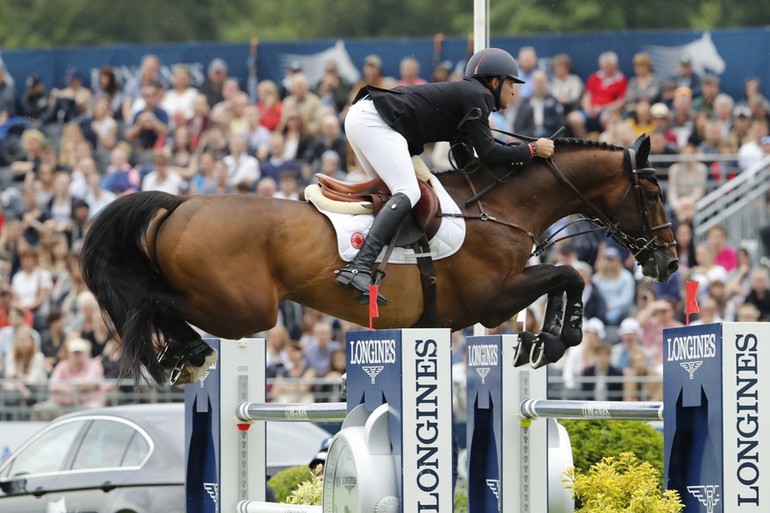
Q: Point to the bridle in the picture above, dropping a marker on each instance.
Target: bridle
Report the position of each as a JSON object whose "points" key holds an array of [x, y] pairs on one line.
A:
{"points": [[641, 247]]}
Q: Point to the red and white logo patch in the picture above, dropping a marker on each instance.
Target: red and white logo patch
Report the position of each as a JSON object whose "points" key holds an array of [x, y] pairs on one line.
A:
{"points": [[357, 240]]}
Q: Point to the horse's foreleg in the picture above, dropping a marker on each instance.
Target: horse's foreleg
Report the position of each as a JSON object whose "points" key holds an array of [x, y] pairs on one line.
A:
{"points": [[556, 335]]}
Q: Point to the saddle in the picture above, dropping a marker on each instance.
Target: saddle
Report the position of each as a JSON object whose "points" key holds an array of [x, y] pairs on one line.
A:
{"points": [[425, 218]]}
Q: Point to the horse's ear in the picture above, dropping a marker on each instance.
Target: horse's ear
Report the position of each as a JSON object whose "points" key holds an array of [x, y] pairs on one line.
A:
{"points": [[642, 148]]}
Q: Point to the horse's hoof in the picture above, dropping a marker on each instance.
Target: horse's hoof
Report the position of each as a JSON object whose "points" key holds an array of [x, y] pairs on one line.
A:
{"points": [[523, 348], [572, 336], [547, 349], [186, 373]]}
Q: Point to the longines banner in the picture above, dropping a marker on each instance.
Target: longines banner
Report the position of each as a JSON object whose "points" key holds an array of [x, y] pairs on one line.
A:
{"points": [[717, 416], [411, 370]]}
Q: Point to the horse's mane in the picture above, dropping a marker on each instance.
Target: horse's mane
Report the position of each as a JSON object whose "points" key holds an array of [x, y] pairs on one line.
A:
{"points": [[564, 141]]}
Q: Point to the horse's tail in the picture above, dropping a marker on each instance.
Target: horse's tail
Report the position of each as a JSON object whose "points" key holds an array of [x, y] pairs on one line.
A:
{"points": [[125, 281]]}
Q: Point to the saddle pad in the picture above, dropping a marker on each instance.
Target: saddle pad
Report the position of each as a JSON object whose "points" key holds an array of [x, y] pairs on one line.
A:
{"points": [[351, 229]]}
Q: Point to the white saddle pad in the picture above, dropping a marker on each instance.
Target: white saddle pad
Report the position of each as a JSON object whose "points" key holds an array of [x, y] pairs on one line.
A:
{"points": [[351, 229]]}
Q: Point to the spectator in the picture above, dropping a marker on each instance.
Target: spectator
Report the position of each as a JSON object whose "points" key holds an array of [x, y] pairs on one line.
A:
{"points": [[686, 76], [640, 118], [329, 138], [304, 102], [616, 284], [709, 93], [527, 61], [120, 177], [580, 357], [410, 72], [752, 89], [297, 138], [241, 167], [215, 79], [643, 85], [101, 130], [685, 248], [52, 342], [202, 166], [150, 124], [180, 152], [32, 142], [724, 255], [269, 105], [277, 162], [258, 136], [661, 120], [35, 103], [707, 268], [294, 384], [266, 187], [641, 383], [723, 114], [96, 197], [277, 342], [149, 75], [288, 185], [605, 91], [178, 101], [162, 177], [593, 302], [24, 370], [603, 382], [200, 121], [709, 311], [654, 318], [61, 207], [109, 90], [739, 282], [330, 165], [32, 285], [566, 87], [215, 138], [239, 122], [759, 296], [219, 183], [687, 183], [332, 88], [752, 152], [540, 115], [17, 320], [682, 123], [740, 130], [331, 391], [76, 381], [75, 92], [747, 312], [630, 334], [319, 348]]}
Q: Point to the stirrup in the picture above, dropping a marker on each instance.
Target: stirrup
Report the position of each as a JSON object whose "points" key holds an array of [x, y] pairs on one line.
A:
{"points": [[346, 277]]}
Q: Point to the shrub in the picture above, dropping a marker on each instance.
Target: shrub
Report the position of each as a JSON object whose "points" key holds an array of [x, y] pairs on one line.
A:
{"points": [[309, 492], [624, 484], [287, 480], [592, 440]]}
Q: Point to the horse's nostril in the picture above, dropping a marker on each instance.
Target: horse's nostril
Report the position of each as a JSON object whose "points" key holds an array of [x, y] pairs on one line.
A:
{"points": [[673, 266]]}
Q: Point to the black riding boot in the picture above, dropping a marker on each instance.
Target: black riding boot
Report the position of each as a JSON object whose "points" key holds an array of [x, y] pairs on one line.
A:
{"points": [[358, 273]]}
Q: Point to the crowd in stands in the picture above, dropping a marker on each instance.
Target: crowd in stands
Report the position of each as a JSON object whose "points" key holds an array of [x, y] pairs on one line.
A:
{"points": [[68, 152]]}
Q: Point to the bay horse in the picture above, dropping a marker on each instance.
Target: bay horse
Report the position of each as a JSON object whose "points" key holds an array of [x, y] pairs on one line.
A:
{"points": [[159, 263]]}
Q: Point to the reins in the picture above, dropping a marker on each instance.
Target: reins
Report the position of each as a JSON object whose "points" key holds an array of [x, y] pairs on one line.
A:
{"points": [[639, 247]]}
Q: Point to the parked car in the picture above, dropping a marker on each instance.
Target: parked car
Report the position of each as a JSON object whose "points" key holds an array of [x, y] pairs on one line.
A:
{"points": [[127, 459]]}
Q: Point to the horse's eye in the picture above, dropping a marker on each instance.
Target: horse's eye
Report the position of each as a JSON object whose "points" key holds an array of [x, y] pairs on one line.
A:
{"points": [[652, 195]]}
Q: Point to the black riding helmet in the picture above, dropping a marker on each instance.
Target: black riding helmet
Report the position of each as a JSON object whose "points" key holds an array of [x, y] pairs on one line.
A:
{"points": [[493, 62]]}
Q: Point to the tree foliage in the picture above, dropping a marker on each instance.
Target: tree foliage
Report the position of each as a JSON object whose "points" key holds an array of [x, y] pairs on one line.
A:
{"points": [[49, 23]]}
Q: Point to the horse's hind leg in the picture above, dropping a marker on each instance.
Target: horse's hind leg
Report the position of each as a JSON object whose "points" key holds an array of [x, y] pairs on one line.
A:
{"points": [[185, 354]]}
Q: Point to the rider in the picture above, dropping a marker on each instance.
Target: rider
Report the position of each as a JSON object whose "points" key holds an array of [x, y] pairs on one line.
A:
{"points": [[386, 127]]}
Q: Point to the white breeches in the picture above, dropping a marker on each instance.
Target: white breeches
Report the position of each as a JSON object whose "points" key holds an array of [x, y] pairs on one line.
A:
{"points": [[380, 150]]}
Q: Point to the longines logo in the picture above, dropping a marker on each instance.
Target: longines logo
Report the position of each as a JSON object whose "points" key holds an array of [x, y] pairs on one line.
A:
{"points": [[494, 485], [691, 367], [708, 495], [483, 371], [372, 371], [213, 491]]}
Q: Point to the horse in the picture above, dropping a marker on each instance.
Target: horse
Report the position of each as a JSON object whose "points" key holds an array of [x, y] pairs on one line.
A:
{"points": [[158, 263]]}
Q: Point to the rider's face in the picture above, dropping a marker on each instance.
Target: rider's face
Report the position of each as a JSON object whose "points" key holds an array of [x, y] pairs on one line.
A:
{"points": [[506, 93]]}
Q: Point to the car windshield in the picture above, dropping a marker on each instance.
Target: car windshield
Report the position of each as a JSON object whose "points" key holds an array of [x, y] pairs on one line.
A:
{"points": [[111, 444], [47, 453]]}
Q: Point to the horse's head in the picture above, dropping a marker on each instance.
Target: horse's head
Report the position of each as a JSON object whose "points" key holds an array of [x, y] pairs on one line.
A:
{"points": [[640, 223]]}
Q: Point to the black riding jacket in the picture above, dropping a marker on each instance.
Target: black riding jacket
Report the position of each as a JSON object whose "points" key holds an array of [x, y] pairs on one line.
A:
{"points": [[432, 112]]}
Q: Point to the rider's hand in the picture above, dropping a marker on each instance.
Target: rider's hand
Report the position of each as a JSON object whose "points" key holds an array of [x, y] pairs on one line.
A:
{"points": [[544, 148]]}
